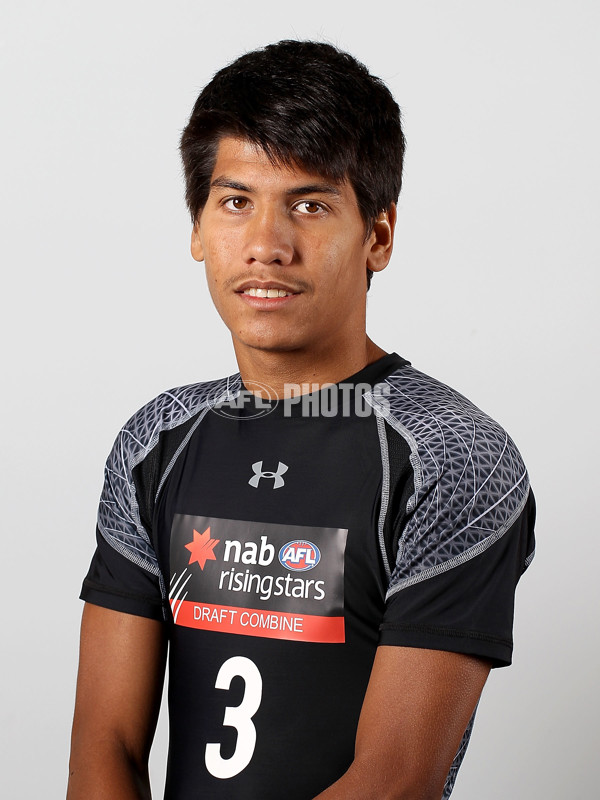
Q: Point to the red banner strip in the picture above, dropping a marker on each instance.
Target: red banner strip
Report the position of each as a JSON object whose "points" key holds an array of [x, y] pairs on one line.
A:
{"points": [[256, 622]]}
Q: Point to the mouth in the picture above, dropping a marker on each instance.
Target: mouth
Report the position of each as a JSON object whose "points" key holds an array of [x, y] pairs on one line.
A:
{"points": [[266, 290], [255, 291]]}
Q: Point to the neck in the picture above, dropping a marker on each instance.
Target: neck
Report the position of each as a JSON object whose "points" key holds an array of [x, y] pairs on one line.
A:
{"points": [[278, 370]]}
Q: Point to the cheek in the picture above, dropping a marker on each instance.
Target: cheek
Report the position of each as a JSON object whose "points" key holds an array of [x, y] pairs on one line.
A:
{"points": [[218, 261], [348, 266], [326, 257]]}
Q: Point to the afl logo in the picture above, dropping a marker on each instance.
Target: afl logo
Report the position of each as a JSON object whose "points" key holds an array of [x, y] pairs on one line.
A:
{"points": [[299, 555]]}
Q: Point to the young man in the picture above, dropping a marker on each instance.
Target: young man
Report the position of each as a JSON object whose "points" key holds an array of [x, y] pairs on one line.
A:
{"points": [[329, 541]]}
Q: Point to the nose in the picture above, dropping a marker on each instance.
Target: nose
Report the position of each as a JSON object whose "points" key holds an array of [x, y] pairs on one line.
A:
{"points": [[269, 239]]}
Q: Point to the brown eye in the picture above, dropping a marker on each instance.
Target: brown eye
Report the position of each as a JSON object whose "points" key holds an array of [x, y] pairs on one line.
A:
{"points": [[309, 207], [237, 203]]}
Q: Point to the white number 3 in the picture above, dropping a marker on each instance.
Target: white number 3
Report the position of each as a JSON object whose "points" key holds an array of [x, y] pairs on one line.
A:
{"points": [[238, 717]]}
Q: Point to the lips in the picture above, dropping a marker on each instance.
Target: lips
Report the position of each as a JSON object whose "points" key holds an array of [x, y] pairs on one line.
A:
{"points": [[254, 292], [266, 289]]}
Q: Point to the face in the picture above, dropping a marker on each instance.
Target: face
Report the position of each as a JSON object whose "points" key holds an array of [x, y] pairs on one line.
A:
{"points": [[285, 254]]}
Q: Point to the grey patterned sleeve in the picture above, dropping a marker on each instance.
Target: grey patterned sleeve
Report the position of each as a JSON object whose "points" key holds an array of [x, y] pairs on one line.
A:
{"points": [[466, 533], [125, 573]]}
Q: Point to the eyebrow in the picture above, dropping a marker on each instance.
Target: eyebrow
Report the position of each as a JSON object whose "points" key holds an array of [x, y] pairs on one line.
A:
{"points": [[229, 183], [223, 182], [316, 188]]}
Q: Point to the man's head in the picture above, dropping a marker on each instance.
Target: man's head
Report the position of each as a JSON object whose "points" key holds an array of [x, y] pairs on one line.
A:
{"points": [[306, 104]]}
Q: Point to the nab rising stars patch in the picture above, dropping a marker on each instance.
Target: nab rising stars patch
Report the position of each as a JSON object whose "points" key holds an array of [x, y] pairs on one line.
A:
{"points": [[258, 579]]}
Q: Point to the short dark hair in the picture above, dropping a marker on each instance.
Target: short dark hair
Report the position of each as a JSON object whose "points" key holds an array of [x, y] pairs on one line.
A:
{"points": [[304, 103]]}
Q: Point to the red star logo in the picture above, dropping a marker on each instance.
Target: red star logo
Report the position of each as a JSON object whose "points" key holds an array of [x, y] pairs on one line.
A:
{"points": [[201, 548]]}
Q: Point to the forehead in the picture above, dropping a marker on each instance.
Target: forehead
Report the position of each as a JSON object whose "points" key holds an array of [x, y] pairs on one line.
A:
{"points": [[242, 161]]}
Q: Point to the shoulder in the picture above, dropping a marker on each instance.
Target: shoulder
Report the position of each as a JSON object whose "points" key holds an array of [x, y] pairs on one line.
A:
{"points": [[448, 433], [470, 482], [167, 411], [125, 503]]}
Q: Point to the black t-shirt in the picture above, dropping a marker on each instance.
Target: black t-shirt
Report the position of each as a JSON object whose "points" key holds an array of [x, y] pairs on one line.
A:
{"points": [[281, 543]]}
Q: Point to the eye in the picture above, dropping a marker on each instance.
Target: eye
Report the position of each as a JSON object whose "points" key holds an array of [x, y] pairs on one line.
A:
{"points": [[237, 203], [309, 207]]}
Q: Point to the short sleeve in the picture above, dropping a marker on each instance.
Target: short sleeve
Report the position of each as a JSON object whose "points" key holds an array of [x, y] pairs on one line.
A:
{"points": [[114, 581], [124, 574], [468, 608], [463, 534]]}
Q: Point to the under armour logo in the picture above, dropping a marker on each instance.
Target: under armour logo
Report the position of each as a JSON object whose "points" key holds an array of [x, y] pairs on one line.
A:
{"points": [[258, 474]]}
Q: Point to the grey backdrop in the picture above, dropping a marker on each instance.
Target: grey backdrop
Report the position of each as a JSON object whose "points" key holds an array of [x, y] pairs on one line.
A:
{"points": [[492, 288]]}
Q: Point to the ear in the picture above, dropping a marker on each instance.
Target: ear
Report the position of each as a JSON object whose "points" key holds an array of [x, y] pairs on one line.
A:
{"points": [[382, 240], [196, 244]]}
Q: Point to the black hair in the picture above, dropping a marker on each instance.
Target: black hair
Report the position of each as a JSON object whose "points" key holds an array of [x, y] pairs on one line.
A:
{"points": [[307, 104]]}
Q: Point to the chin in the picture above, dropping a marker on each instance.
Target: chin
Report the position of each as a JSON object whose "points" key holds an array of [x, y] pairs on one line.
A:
{"points": [[272, 345], [284, 340]]}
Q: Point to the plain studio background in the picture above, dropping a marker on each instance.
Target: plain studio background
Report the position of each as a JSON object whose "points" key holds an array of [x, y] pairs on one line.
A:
{"points": [[492, 288]]}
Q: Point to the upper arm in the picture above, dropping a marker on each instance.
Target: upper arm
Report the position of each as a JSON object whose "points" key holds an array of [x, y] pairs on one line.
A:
{"points": [[416, 709], [119, 685], [458, 524]]}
